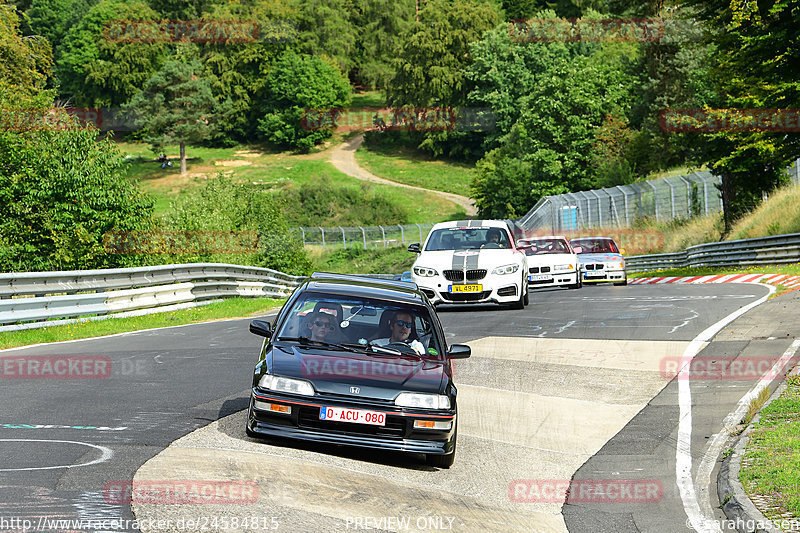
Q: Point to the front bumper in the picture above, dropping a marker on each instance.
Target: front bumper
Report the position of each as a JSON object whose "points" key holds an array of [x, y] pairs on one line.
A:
{"points": [[606, 276], [497, 289], [303, 423], [555, 279]]}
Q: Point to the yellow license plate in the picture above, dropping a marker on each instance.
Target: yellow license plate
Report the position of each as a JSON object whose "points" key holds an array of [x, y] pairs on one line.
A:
{"points": [[466, 288]]}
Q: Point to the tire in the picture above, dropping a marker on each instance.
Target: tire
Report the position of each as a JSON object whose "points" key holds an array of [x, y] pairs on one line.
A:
{"points": [[621, 283], [527, 298], [576, 285], [443, 461]]}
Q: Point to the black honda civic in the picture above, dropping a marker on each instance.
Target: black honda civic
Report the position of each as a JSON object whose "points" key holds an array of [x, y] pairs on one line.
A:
{"points": [[357, 361]]}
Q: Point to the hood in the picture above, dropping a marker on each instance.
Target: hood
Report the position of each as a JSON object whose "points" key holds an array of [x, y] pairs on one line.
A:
{"points": [[469, 259], [600, 258], [378, 376], [551, 259]]}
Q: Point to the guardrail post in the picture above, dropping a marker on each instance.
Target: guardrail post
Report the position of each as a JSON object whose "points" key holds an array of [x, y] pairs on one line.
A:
{"points": [[344, 239], [322, 230], [384, 236], [402, 234], [364, 235], [625, 199], [304, 235], [672, 196], [420, 232]]}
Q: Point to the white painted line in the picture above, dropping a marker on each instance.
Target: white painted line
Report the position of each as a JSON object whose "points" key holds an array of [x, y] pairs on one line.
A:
{"points": [[105, 455], [718, 440], [702, 520]]}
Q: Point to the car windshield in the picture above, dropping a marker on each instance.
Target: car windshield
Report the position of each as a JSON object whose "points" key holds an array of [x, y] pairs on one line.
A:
{"points": [[596, 246], [359, 323], [467, 239], [548, 246]]}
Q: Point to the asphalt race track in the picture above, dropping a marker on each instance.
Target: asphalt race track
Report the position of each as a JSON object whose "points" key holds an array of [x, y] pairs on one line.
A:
{"points": [[575, 387]]}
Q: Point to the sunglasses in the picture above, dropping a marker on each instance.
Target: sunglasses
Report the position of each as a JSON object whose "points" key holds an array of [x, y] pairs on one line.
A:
{"points": [[320, 324], [404, 323]]}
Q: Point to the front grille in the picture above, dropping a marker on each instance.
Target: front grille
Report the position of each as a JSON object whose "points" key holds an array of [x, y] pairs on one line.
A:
{"points": [[466, 296], [536, 270], [308, 418], [458, 275], [475, 275], [593, 266], [453, 275], [540, 281]]}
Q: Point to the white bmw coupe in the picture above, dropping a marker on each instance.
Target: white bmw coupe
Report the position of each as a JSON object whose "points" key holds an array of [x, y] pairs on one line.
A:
{"points": [[471, 262]]}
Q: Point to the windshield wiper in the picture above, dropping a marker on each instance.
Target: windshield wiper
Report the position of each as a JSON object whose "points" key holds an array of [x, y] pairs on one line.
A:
{"points": [[306, 341]]}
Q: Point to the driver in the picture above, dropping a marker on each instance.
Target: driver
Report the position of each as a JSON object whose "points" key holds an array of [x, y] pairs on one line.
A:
{"points": [[401, 326], [493, 239]]}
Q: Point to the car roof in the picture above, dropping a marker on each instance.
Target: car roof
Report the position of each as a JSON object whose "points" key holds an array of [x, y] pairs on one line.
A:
{"points": [[364, 286], [472, 224]]}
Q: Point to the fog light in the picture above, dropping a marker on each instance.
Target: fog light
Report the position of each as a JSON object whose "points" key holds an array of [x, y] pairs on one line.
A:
{"points": [[274, 407], [433, 424]]}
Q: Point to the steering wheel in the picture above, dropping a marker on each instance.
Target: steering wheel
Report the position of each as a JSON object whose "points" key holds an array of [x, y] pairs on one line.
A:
{"points": [[402, 347]]}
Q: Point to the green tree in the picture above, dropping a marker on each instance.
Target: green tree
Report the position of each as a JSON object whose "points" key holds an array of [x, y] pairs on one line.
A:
{"points": [[176, 105], [99, 66], [754, 65], [61, 192], [223, 205], [26, 62], [296, 85], [381, 24], [431, 63], [325, 28], [237, 72], [548, 150], [52, 19]]}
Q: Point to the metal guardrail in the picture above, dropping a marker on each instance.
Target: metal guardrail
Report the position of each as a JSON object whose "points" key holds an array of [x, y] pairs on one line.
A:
{"points": [[30, 299], [778, 249]]}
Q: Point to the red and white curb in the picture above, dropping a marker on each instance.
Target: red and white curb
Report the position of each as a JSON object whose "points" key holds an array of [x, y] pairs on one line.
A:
{"points": [[793, 282]]}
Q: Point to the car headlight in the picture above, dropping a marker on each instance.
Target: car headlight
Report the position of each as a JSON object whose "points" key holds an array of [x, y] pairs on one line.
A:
{"points": [[563, 267], [506, 269], [621, 264], [422, 401], [425, 272], [281, 384]]}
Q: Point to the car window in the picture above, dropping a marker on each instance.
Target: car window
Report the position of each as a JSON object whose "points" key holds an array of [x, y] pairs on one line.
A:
{"points": [[355, 320], [467, 239], [596, 246], [547, 246]]}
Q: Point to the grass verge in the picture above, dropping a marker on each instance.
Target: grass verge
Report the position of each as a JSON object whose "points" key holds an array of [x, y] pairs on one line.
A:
{"points": [[230, 308], [411, 167], [769, 470]]}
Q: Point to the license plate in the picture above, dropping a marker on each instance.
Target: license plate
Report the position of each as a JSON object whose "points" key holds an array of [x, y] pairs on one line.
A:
{"points": [[540, 277], [466, 288], [594, 274], [355, 416]]}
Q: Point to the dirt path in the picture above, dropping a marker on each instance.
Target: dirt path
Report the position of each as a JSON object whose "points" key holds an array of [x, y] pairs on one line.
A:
{"points": [[343, 158]]}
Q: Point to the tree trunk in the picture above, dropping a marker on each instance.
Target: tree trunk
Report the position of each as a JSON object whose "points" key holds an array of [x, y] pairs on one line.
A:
{"points": [[183, 158], [727, 188]]}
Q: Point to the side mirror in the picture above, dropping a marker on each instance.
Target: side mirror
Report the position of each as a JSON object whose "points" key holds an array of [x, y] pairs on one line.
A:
{"points": [[414, 247], [459, 351], [578, 249], [261, 327]]}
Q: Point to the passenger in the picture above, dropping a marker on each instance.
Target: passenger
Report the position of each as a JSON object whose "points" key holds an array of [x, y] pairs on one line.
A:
{"points": [[321, 326], [402, 330]]}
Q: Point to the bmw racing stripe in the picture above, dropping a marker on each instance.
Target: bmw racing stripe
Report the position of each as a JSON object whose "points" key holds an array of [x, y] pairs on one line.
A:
{"points": [[465, 260]]}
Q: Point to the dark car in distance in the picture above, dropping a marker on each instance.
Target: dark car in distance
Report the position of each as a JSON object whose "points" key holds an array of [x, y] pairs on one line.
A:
{"points": [[357, 361]]}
